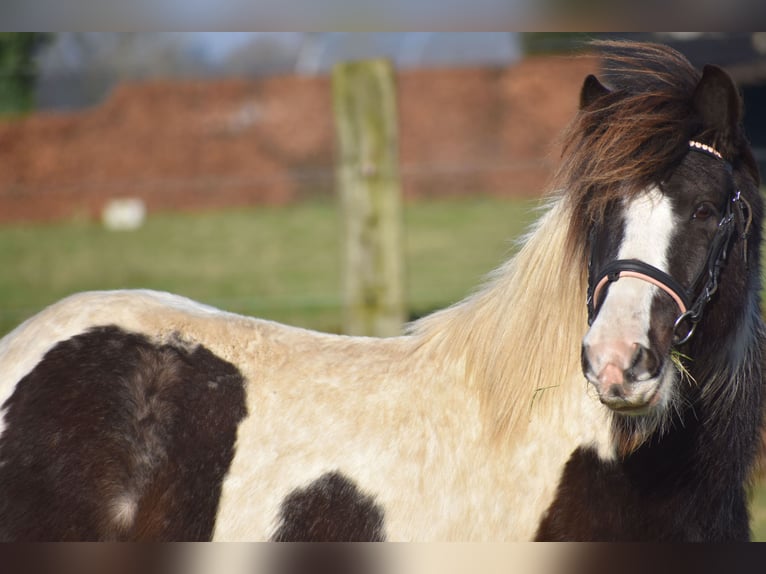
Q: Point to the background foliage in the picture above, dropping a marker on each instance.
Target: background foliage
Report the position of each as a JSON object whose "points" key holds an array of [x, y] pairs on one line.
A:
{"points": [[18, 70]]}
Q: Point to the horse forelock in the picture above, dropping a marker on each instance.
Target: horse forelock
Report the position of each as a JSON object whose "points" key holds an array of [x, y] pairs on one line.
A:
{"points": [[631, 137]]}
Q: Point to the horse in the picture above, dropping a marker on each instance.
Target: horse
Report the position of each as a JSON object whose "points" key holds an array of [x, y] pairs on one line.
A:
{"points": [[605, 383]]}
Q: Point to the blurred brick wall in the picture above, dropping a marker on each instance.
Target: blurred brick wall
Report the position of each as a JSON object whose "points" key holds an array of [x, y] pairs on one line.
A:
{"points": [[196, 145]]}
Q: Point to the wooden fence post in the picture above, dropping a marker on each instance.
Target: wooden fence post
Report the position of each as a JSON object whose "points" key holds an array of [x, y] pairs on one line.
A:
{"points": [[364, 100]]}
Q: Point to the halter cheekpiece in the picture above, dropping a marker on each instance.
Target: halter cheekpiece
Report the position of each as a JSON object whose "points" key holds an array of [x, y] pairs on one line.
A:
{"points": [[737, 215]]}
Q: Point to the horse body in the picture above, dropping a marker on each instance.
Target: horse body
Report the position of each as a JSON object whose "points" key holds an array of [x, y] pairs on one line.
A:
{"points": [[143, 415], [395, 418]]}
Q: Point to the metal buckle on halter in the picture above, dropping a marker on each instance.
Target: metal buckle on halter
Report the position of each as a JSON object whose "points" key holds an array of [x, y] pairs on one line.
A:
{"points": [[681, 318]]}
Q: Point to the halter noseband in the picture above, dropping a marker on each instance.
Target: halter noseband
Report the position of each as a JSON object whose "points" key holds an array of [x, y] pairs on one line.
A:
{"points": [[691, 308]]}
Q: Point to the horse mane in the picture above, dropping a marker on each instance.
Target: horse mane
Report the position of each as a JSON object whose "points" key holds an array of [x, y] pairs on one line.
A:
{"points": [[515, 338]]}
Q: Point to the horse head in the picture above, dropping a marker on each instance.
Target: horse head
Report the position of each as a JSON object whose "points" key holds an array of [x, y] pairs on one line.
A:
{"points": [[668, 264]]}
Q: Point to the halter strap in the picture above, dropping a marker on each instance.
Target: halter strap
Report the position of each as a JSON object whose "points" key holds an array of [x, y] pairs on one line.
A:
{"points": [[690, 310], [708, 149], [639, 270]]}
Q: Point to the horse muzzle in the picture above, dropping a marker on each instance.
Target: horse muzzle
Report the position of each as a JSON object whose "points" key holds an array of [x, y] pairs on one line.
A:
{"points": [[627, 376]]}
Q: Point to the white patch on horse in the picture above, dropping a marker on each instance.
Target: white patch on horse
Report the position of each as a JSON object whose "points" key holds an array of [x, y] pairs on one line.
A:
{"points": [[625, 313], [124, 509]]}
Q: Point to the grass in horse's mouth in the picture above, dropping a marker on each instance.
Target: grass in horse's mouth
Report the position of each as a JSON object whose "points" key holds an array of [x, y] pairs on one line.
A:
{"points": [[678, 358]]}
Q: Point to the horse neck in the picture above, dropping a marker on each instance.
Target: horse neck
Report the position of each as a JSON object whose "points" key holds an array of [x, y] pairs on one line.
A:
{"points": [[714, 433], [520, 334], [728, 370]]}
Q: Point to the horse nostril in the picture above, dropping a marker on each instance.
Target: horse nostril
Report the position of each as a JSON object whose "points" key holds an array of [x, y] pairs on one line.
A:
{"points": [[644, 364]]}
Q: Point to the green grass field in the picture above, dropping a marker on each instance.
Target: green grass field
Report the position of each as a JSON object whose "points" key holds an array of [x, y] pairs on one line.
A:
{"points": [[758, 512], [280, 263]]}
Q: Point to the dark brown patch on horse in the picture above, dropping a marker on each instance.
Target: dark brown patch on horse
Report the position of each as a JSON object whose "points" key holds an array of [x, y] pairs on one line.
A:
{"points": [[112, 437], [661, 493], [330, 509]]}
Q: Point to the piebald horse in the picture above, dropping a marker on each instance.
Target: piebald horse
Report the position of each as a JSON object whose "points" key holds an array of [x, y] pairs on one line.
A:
{"points": [[606, 383]]}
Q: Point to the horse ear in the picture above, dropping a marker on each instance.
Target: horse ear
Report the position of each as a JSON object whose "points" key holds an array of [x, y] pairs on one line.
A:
{"points": [[717, 101], [591, 90]]}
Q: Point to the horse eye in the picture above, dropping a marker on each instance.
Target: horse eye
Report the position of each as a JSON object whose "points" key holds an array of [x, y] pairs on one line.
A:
{"points": [[703, 211]]}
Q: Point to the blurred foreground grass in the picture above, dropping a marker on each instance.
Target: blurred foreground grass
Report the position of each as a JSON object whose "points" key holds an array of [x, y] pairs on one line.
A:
{"points": [[281, 263]]}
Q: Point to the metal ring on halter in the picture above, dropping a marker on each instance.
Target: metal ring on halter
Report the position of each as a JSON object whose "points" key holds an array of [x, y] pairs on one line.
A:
{"points": [[681, 318]]}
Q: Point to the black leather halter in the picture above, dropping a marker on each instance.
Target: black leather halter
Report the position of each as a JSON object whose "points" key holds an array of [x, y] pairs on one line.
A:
{"points": [[736, 216]]}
